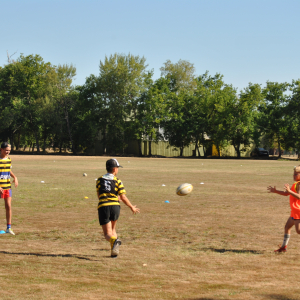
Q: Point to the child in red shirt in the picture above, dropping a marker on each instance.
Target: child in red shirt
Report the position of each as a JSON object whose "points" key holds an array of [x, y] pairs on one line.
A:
{"points": [[294, 219]]}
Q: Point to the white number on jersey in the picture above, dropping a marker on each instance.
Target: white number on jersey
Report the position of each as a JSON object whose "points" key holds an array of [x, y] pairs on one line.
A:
{"points": [[107, 186]]}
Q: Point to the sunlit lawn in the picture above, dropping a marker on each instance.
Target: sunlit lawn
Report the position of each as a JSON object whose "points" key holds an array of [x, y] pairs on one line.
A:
{"points": [[216, 243]]}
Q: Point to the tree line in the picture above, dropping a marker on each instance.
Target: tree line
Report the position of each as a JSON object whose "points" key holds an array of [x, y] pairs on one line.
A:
{"points": [[41, 108]]}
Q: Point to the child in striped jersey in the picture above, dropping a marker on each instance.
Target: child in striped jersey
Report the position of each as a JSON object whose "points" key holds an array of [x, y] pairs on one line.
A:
{"points": [[5, 185], [294, 219], [110, 191]]}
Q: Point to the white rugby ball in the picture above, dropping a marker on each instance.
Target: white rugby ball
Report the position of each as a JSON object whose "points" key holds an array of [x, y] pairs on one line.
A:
{"points": [[184, 189]]}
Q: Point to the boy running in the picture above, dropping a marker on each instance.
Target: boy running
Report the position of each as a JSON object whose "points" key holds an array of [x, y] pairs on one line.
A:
{"points": [[5, 186], [294, 219], [110, 190]]}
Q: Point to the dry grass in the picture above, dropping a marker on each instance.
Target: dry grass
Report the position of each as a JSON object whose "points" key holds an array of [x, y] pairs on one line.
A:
{"points": [[216, 243]]}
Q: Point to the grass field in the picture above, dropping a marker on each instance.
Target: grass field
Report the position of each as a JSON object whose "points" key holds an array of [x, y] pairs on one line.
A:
{"points": [[216, 243]]}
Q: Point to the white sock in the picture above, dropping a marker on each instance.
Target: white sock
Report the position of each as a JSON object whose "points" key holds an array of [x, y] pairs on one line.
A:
{"points": [[285, 240]]}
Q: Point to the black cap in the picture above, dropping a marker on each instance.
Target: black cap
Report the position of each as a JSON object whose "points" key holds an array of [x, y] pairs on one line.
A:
{"points": [[113, 163]]}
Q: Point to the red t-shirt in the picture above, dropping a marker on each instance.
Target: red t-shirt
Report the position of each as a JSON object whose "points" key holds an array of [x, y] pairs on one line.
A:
{"points": [[295, 203]]}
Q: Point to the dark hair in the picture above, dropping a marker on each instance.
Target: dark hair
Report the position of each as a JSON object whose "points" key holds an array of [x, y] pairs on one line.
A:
{"points": [[5, 145], [110, 169]]}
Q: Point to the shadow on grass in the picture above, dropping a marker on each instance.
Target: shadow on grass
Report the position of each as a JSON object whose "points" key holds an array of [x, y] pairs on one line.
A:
{"points": [[233, 251], [272, 297], [281, 297], [202, 298], [49, 255]]}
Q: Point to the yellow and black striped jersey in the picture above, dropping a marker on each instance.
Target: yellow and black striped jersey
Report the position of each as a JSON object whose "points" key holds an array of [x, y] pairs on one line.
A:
{"points": [[108, 188], [5, 166]]}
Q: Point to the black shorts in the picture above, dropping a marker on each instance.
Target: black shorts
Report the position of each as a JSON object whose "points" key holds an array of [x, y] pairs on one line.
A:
{"points": [[108, 213]]}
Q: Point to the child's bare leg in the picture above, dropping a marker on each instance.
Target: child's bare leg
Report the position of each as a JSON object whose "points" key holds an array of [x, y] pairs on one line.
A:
{"points": [[287, 234], [7, 202], [297, 226], [109, 230], [288, 226], [113, 228], [110, 234]]}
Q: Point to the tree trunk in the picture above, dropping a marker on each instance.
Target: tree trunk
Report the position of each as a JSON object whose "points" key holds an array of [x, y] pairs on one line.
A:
{"points": [[140, 147], [196, 146], [150, 148], [44, 144], [203, 141], [18, 141], [37, 140], [150, 145], [60, 146], [199, 154], [237, 149], [219, 150], [181, 150], [104, 141], [279, 148], [69, 130], [11, 138]]}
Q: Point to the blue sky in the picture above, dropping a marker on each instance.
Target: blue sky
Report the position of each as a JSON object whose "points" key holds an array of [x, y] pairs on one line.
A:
{"points": [[246, 41]]}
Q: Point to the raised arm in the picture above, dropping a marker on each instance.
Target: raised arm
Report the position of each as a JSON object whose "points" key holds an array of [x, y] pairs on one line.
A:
{"points": [[273, 190]]}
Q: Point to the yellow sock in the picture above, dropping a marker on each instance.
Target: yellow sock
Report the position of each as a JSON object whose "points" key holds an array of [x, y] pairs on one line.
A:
{"points": [[112, 241]]}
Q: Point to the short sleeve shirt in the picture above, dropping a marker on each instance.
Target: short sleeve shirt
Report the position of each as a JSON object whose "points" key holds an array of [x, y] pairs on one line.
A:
{"points": [[5, 166], [109, 187]]}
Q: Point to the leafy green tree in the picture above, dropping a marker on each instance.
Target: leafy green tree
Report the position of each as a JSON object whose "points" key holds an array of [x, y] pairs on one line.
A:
{"points": [[177, 122], [31, 89], [148, 111], [272, 119], [122, 81], [11, 116], [292, 118], [89, 113], [181, 75], [209, 112], [65, 97], [241, 118]]}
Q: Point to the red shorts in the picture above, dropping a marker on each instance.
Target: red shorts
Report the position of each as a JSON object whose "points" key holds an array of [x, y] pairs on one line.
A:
{"points": [[6, 193]]}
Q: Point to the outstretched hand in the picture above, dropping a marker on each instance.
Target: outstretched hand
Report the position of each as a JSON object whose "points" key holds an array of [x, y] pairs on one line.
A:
{"points": [[271, 189], [287, 187], [134, 209]]}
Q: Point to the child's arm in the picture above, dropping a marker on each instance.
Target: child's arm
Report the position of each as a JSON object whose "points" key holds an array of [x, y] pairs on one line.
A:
{"points": [[15, 178], [273, 190], [133, 208], [290, 192]]}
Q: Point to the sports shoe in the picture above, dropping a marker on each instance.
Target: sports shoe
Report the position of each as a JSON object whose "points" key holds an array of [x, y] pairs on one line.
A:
{"points": [[281, 249], [9, 230], [115, 248]]}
